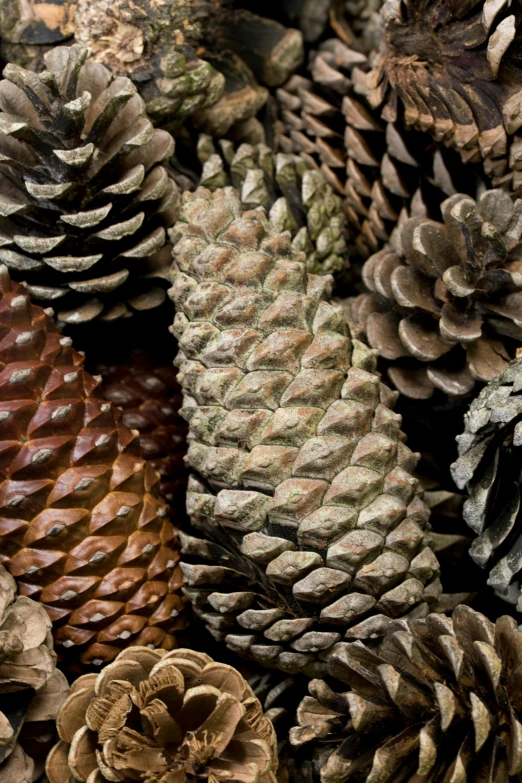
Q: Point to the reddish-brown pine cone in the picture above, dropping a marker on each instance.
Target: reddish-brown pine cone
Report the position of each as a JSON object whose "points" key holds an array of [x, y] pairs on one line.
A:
{"points": [[82, 528]]}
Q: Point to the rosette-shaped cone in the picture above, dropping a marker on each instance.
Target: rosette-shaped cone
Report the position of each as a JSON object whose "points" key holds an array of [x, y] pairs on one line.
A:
{"points": [[84, 197], [164, 718], [445, 305], [439, 702], [489, 468], [452, 67], [296, 197], [82, 528], [302, 485], [32, 690]]}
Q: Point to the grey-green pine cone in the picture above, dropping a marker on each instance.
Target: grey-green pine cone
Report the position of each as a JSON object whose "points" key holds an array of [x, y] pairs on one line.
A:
{"points": [[313, 525], [85, 201]]}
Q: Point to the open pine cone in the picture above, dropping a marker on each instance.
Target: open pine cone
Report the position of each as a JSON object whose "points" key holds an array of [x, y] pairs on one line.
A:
{"points": [[84, 198], [32, 690], [315, 527], [81, 528], [440, 702], [445, 307], [163, 718]]}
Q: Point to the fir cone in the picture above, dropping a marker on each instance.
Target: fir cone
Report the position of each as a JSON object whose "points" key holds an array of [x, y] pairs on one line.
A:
{"points": [[453, 69], [489, 468], [446, 300], [293, 193], [84, 196], [303, 490], [32, 690], [82, 529], [162, 718], [150, 398], [441, 701]]}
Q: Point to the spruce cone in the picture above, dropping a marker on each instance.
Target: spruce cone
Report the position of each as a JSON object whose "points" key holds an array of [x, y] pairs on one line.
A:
{"points": [[150, 398], [489, 468], [453, 68], [440, 702], [294, 194], [84, 197], [82, 529], [303, 487], [162, 718], [446, 302], [32, 690]]}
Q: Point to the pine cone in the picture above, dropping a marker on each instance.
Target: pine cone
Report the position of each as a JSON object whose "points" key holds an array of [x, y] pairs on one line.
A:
{"points": [[303, 485], [84, 197], [382, 170], [489, 468], [150, 398], [453, 68], [358, 23], [440, 702], [294, 194], [32, 690], [82, 529], [161, 718], [446, 301]]}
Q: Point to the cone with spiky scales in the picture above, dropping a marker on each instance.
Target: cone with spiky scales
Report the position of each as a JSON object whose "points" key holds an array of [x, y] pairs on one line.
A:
{"points": [[314, 525], [81, 526]]}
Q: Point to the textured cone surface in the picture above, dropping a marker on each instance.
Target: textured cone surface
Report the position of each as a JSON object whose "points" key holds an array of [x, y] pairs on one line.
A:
{"points": [[150, 398], [85, 199], [163, 717], [32, 690], [440, 702], [446, 298], [453, 68], [295, 196], [81, 528], [303, 484], [489, 468], [383, 170]]}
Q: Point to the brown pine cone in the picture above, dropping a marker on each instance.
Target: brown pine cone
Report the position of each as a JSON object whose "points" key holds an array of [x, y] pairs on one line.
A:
{"points": [[440, 702], [163, 718], [445, 307], [82, 528]]}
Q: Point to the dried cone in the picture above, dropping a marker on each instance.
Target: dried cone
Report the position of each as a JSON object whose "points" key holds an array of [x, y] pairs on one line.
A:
{"points": [[358, 22], [163, 718], [489, 468], [84, 195], [81, 526], [32, 690], [440, 702], [294, 194], [303, 489], [446, 300], [453, 68], [150, 398]]}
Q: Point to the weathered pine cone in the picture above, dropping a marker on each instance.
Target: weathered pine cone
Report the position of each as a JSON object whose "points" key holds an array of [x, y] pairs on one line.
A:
{"points": [[82, 528], [303, 489], [440, 702], [163, 718], [446, 299], [488, 467], [84, 197], [32, 690]]}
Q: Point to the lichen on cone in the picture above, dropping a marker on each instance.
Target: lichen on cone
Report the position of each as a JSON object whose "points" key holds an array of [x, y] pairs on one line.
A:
{"points": [[303, 488], [82, 528], [163, 718]]}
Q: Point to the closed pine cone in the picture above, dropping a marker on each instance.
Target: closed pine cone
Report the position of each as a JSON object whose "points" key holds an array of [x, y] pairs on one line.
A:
{"points": [[315, 527], [85, 199], [163, 718], [440, 702], [446, 300], [81, 529]]}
